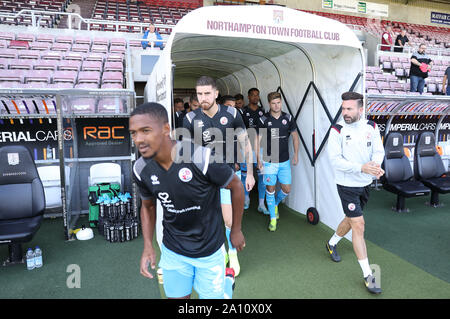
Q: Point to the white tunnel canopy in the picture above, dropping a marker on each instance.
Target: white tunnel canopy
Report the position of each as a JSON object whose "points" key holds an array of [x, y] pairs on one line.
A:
{"points": [[270, 47]]}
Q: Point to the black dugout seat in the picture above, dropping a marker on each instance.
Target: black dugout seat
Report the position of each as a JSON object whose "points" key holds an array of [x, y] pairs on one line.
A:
{"points": [[398, 176], [429, 168], [22, 200]]}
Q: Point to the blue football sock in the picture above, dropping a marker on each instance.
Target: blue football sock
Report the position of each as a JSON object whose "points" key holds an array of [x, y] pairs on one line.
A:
{"points": [[280, 196], [270, 199], [229, 281]]}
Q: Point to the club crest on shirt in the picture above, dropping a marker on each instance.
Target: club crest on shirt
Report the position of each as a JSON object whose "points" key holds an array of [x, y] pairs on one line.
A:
{"points": [[223, 120], [185, 174], [284, 122], [260, 113]]}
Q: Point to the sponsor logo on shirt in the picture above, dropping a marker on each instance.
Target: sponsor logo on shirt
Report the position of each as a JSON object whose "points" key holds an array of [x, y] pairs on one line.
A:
{"points": [[206, 136], [164, 198], [273, 132], [155, 180], [167, 203]]}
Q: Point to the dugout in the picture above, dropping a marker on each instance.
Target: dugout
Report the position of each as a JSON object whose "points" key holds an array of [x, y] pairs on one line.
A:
{"points": [[411, 115], [310, 59]]}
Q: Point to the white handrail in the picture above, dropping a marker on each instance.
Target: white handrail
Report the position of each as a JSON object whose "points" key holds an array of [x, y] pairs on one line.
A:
{"points": [[409, 49], [39, 13]]}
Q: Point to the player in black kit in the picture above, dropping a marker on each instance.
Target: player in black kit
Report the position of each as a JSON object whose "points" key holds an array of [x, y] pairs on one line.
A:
{"points": [[181, 176], [217, 126], [251, 114], [274, 128]]}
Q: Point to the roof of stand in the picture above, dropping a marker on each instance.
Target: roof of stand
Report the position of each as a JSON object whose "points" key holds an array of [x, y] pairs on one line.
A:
{"points": [[222, 40]]}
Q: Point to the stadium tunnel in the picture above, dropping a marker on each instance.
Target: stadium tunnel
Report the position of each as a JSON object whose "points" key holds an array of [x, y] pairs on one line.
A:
{"points": [[311, 60]]}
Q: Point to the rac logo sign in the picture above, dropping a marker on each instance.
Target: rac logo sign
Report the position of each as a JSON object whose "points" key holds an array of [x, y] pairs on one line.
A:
{"points": [[103, 132]]}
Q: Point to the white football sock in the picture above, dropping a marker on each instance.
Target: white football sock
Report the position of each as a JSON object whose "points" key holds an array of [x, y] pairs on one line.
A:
{"points": [[334, 240], [364, 263]]}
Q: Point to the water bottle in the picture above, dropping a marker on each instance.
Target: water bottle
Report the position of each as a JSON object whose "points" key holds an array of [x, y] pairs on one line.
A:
{"points": [[38, 257], [30, 259], [49, 152]]}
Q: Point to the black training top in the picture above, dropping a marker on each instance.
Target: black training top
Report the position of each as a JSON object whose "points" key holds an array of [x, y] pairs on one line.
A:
{"points": [[403, 40], [179, 116], [279, 129], [189, 195], [251, 119], [415, 70], [212, 132]]}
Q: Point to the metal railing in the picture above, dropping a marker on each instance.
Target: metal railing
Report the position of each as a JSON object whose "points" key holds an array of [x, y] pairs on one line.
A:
{"points": [[412, 49], [37, 15]]}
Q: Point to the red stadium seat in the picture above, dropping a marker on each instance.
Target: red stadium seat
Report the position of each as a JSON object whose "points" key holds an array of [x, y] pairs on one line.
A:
{"points": [[7, 36], [78, 56], [20, 64], [45, 38], [88, 77], [38, 76], [112, 77], [95, 57], [113, 67], [91, 66], [12, 75], [8, 53], [70, 65], [46, 65], [28, 54], [117, 49], [61, 47], [65, 76], [80, 48], [41, 46]]}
